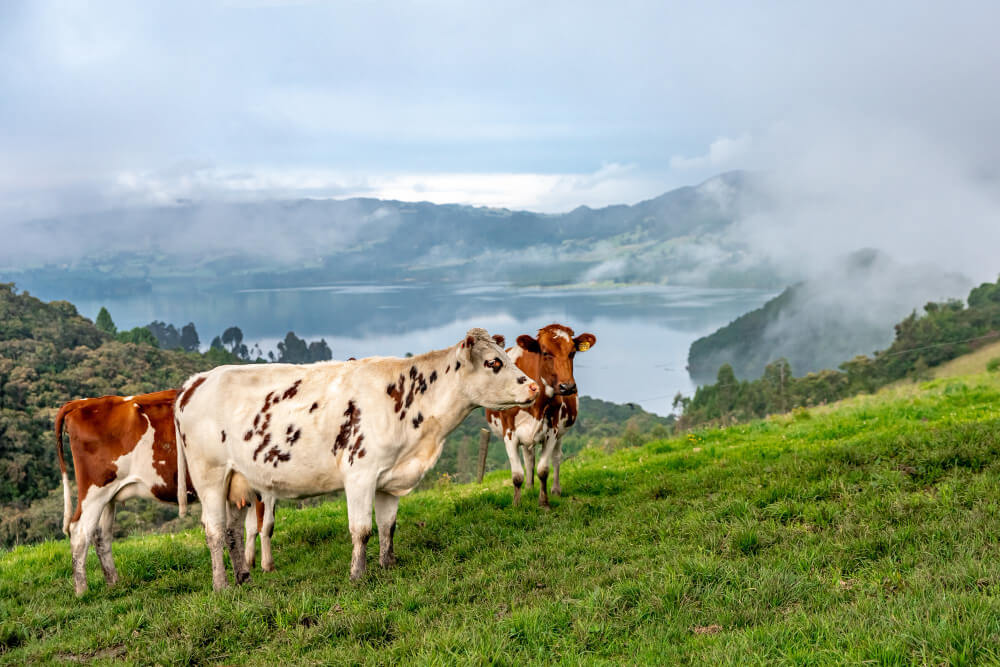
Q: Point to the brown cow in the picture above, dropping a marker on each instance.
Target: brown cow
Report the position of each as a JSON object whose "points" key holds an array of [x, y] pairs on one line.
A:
{"points": [[548, 360], [123, 447]]}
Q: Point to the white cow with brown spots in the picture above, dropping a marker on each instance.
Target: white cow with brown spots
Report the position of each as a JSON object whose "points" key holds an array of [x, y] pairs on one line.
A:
{"points": [[372, 427], [547, 359]]}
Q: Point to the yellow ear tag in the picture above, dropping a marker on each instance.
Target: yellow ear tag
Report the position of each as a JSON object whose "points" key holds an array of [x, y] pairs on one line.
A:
{"points": [[583, 346]]}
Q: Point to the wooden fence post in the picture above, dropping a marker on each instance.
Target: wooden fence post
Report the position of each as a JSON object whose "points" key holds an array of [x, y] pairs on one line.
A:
{"points": [[484, 443]]}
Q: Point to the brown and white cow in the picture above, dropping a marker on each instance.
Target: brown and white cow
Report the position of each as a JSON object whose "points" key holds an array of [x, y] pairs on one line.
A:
{"points": [[372, 427], [122, 447], [548, 360]]}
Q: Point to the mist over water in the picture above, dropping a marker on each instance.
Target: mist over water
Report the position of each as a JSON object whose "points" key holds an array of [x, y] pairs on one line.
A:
{"points": [[643, 332]]}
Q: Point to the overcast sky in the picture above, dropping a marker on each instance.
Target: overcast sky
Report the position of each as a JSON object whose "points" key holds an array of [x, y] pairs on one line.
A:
{"points": [[537, 105]]}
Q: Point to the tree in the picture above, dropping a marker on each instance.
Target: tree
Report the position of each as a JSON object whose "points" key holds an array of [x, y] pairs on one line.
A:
{"points": [[139, 336], [293, 350], [189, 338], [105, 323], [233, 337], [320, 351], [166, 334]]}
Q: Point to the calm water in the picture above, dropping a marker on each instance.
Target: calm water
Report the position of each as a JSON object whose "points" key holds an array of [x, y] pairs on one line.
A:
{"points": [[643, 332]]}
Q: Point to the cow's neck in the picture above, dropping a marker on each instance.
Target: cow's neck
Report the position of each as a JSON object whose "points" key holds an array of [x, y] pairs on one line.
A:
{"points": [[427, 386]]}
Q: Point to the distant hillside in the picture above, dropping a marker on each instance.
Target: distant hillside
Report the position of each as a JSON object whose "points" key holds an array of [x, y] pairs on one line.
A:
{"points": [[677, 237], [922, 343], [819, 323], [49, 354]]}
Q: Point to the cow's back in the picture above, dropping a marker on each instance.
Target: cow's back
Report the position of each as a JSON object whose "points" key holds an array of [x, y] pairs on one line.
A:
{"points": [[104, 430]]}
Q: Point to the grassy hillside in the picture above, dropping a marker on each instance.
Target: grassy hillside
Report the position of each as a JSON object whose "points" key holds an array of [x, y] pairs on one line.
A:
{"points": [[864, 531]]}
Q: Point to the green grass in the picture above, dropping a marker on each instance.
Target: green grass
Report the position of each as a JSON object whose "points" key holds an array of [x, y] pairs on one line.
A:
{"points": [[865, 531]]}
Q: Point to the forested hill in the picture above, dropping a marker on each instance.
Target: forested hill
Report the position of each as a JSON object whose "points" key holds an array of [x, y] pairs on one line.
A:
{"points": [[817, 324], [49, 354], [945, 331]]}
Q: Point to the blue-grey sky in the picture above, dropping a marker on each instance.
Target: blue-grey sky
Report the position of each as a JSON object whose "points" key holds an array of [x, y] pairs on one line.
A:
{"points": [[538, 105]]}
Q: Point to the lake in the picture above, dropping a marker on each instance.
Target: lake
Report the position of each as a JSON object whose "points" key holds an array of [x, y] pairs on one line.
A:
{"points": [[643, 332]]}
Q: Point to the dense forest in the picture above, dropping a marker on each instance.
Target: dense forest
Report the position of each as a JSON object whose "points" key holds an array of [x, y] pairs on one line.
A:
{"points": [[944, 331], [50, 354]]}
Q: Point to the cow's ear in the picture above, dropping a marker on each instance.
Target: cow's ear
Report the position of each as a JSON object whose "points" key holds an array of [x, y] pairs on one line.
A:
{"points": [[528, 343], [585, 341], [499, 340]]}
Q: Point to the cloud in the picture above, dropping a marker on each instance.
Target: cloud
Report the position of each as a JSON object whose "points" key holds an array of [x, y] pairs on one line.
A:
{"points": [[832, 184], [723, 153]]}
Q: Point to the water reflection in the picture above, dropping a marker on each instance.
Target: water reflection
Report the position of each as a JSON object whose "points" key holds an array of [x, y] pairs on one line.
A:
{"points": [[643, 331]]}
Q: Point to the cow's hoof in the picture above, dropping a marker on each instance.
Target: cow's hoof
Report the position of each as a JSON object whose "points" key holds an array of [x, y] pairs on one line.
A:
{"points": [[387, 562], [267, 567], [556, 490], [242, 577]]}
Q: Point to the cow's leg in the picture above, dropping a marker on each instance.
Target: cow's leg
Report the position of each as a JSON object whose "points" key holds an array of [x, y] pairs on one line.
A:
{"points": [[516, 471], [102, 543], [251, 526], [543, 468], [267, 530], [556, 460], [386, 505], [360, 498], [234, 540], [529, 462], [213, 519], [84, 531]]}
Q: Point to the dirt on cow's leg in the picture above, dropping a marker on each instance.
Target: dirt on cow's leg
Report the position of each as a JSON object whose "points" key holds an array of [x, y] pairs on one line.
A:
{"points": [[213, 519], [82, 533], [79, 541], [529, 464], [103, 537], [360, 498], [386, 506], [516, 470], [234, 540], [543, 483], [543, 471]]}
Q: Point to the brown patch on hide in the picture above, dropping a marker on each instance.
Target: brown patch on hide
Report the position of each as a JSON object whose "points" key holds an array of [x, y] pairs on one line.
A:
{"points": [[188, 393], [291, 391]]}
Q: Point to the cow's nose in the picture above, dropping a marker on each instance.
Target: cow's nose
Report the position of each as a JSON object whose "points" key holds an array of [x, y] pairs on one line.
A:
{"points": [[567, 388]]}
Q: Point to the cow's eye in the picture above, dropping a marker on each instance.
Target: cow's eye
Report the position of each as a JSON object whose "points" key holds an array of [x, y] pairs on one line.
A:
{"points": [[495, 364]]}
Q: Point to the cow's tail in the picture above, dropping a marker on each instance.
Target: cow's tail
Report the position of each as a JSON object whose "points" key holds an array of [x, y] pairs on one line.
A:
{"points": [[67, 493], [182, 466]]}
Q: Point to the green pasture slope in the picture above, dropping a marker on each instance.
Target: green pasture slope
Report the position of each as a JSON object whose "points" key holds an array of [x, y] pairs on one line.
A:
{"points": [[864, 531]]}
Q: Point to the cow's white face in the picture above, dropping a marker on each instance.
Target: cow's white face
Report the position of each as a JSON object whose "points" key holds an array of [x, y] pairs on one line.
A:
{"points": [[489, 377]]}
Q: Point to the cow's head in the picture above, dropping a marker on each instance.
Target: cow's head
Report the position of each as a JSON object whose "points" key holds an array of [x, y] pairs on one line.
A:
{"points": [[489, 377], [556, 347]]}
